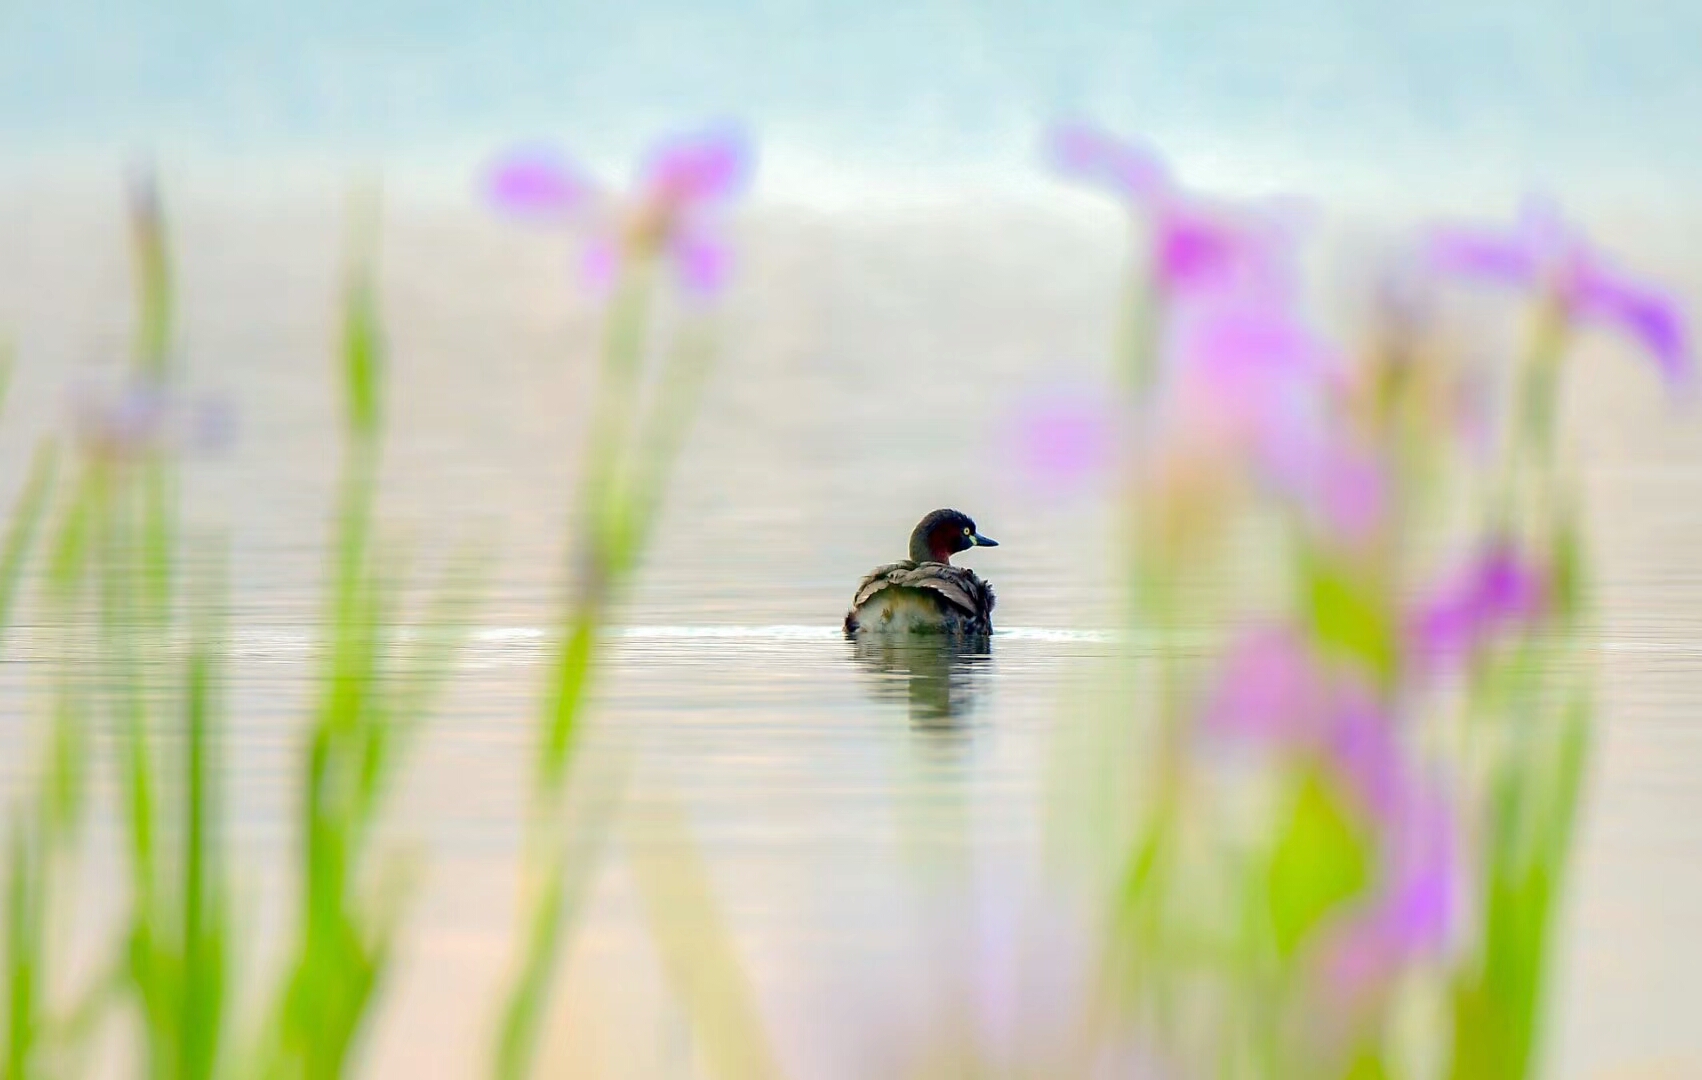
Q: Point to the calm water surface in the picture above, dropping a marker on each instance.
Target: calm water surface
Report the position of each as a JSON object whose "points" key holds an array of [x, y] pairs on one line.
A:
{"points": [[860, 810]]}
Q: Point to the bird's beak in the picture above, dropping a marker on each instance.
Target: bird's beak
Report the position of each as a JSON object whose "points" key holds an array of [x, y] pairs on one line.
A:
{"points": [[982, 541]]}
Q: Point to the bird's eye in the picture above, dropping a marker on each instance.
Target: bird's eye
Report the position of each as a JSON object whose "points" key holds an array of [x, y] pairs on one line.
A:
{"points": [[967, 530]]}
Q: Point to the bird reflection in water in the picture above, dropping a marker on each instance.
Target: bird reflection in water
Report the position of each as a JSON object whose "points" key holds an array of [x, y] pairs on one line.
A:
{"points": [[935, 675]]}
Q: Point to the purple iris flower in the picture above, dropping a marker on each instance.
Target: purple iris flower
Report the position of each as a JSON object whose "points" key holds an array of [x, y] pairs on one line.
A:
{"points": [[1340, 486], [1497, 591], [1413, 912], [538, 184], [675, 211], [1197, 247], [1128, 170], [700, 258], [1542, 251], [1246, 372], [697, 169], [1275, 692], [1359, 740], [1247, 368], [1239, 369], [1425, 867], [1347, 491], [1271, 691]]}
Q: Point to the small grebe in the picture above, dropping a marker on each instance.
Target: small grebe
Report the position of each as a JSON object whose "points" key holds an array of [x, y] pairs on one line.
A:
{"points": [[925, 593]]}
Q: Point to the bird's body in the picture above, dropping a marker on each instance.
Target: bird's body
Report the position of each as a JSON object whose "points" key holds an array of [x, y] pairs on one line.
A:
{"points": [[925, 593]]}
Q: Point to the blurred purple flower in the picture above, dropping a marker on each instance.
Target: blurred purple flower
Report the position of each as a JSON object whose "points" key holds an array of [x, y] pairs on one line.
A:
{"points": [[1360, 741], [1244, 374], [674, 212], [1497, 591], [1248, 360], [600, 263], [1647, 314], [144, 417], [697, 170], [1413, 913], [1542, 251], [1197, 247], [1197, 250], [1424, 867], [1127, 170], [1063, 440], [537, 183], [1245, 370], [686, 185], [1271, 691], [1275, 692], [701, 260], [1349, 494], [1340, 486], [1239, 369]]}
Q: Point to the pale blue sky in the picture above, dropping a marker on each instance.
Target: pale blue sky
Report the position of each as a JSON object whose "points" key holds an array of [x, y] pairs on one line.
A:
{"points": [[1521, 90]]}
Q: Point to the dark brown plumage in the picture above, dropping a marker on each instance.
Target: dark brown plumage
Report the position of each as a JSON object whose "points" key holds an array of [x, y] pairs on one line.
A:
{"points": [[925, 593]]}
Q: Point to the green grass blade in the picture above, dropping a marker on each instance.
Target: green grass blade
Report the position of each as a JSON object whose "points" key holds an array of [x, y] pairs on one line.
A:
{"points": [[206, 919], [154, 300], [697, 950], [570, 680], [362, 344], [517, 1042], [21, 532], [560, 877], [24, 943]]}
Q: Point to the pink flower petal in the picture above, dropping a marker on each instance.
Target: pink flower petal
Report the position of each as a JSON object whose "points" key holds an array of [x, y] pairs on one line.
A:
{"points": [[1063, 440], [1205, 251], [1648, 315], [600, 265], [1194, 251], [1498, 258], [535, 183], [1498, 591], [701, 262], [1352, 494], [1246, 372], [1270, 691], [1412, 914], [1424, 867], [1507, 588], [1125, 169], [699, 169], [1362, 747], [1543, 250], [1341, 487]]}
